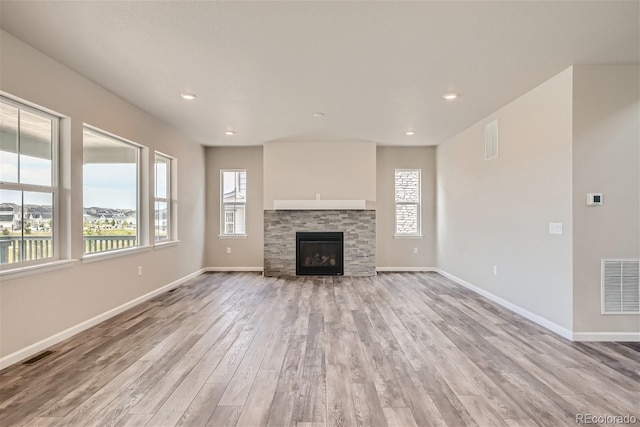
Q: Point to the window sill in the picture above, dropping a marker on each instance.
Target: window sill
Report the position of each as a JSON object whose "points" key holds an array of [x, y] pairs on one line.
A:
{"points": [[114, 254], [31, 270], [408, 236], [232, 236], [166, 244]]}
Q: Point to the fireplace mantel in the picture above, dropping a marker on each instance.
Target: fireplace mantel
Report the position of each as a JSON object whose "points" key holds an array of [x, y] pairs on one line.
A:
{"points": [[315, 205]]}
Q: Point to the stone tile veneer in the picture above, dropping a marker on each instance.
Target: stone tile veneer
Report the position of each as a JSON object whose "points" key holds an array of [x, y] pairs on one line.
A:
{"points": [[358, 226]]}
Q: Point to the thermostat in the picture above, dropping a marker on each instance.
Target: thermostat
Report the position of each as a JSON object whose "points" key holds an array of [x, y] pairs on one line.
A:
{"points": [[594, 199]]}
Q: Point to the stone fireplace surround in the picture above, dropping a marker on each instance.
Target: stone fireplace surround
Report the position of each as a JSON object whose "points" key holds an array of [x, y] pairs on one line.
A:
{"points": [[358, 226]]}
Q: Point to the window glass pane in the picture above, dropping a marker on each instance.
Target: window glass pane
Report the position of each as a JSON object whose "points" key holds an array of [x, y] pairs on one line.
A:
{"points": [[10, 201], [35, 149], [162, 168], [163, 197], [406, 219], [407, 186], [110, 193], [239, 219], [37, 213], [234, 186], [234, 197], [8, 143], [26, 222], [229, 186], [162, 221], [11, 224]]}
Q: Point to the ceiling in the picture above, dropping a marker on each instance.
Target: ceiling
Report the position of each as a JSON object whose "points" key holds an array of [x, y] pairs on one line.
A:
{"points": [[375, 69]]}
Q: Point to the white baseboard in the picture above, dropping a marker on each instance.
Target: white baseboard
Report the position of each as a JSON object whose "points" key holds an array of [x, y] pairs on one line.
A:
{"points": [[405, 269], [545, 323], [35, 348], [607, 336], [239, 269]]}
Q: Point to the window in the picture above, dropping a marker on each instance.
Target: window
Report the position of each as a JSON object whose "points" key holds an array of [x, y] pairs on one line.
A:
{"points": [[234, 200], [407, 198], [110, 176], [28, 184], [163, 198]]}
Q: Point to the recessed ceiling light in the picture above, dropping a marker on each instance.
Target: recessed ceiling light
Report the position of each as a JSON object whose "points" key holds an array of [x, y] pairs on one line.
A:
{"points": [[188, 96], [450, 96], [410, 132], [229, 132], [318, 114]]}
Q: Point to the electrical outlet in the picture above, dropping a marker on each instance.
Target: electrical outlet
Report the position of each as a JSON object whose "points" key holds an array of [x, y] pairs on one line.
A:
{"points": [[495, 270], [139, 270], [229, 250], [415, 250], [317, 196]]}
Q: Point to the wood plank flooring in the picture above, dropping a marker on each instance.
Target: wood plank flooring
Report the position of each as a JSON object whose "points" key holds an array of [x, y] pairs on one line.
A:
{"points": [[410, 349]]}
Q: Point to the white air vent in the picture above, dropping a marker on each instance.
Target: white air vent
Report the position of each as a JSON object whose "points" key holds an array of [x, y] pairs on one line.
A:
{"points": [[491, 140], [620, 286]]}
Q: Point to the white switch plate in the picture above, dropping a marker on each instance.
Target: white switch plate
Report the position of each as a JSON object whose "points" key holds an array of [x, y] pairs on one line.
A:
{"points": [[415, 250], [555, 228], [317, 196], [228, 250]]}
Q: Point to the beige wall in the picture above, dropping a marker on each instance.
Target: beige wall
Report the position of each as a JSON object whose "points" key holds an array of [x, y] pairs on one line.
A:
{"points": [[343, 170], [244, 252], [392, 252], [38, 306], [606, 155], [497, 212]]}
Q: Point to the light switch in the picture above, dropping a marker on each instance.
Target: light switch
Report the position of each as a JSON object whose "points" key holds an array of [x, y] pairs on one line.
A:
{"points": [[555, 228]]}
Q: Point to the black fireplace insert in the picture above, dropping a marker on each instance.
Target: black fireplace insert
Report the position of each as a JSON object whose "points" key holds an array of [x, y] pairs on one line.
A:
{"points": [[319, 253]]}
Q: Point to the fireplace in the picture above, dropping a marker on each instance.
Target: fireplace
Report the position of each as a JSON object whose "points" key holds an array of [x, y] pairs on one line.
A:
{"points": [[357, 226], [319, 253]]}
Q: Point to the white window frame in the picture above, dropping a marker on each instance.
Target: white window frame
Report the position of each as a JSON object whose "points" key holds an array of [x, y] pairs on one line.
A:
{"points": [[223, 234], [53, 189], [170, 200], [141, 223], [418, 234]]}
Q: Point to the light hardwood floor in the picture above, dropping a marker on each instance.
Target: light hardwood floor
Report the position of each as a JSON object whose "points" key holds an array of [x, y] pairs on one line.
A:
{"points": [[398, 349]]}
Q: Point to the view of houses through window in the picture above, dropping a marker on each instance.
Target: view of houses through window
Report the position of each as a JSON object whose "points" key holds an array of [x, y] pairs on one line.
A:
{"points": [[28, 140], [110, 192], [234, 199]]}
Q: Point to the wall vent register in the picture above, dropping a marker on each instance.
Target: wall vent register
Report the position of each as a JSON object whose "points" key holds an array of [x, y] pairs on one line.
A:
{"points": [[491, 140], [620, 286]]}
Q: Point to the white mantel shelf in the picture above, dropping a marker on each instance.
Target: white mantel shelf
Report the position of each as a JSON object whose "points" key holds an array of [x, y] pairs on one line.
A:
{"points": [[319, 204]]}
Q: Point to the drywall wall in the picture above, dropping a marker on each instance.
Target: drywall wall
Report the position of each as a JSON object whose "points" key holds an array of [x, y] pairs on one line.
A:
{"points": [[399, 252], [497, 212], [244, 252], [296, 170], [35, 307], [606, 159]]}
